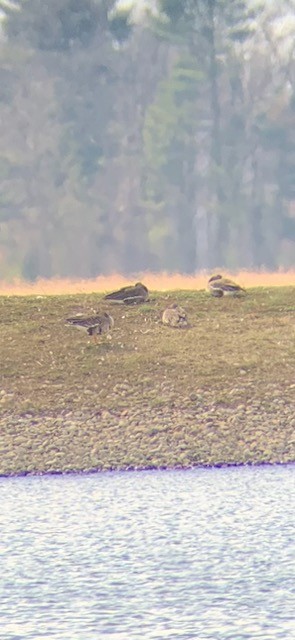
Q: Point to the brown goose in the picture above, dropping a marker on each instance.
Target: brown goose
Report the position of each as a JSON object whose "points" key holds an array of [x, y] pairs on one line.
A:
{"points": [[219, 286], [94, 325], [174, 316], [133, 294]]}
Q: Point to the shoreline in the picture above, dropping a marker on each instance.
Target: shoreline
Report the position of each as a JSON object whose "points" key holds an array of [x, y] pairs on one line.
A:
{"points": [[83, 473]]}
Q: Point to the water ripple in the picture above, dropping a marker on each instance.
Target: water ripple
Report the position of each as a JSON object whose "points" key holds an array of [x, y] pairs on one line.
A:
{"points": [[186, 555]]}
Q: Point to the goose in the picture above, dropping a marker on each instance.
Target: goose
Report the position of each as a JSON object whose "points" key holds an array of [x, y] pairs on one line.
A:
{"points": [[93, 325], [133, 294], [175, 316], [219, 286]]}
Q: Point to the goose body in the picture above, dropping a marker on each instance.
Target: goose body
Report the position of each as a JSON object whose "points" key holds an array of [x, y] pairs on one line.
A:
{"points": [[174, 316], [133, 294], [219, 286]]}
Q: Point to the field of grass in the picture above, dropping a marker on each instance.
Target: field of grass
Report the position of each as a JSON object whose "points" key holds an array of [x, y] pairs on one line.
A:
{"points": [[221, 392]]}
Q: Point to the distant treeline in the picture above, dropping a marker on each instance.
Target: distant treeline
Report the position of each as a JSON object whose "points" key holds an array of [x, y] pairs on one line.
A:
{"points": [[165, 142]]}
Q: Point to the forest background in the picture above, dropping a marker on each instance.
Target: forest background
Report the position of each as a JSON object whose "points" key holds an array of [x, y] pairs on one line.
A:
{"points": [[160, 140]]}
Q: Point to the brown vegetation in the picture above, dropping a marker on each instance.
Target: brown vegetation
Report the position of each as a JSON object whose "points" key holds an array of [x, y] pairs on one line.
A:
{"points": [[156, 281]]}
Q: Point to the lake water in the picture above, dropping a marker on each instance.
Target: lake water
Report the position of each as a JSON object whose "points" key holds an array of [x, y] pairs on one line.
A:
{"points": [[198, 554]]}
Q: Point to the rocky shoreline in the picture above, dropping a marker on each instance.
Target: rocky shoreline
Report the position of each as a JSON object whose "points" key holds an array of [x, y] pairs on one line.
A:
{"points": [[179, 434]]}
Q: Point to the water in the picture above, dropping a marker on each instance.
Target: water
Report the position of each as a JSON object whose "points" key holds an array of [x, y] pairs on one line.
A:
{"points": [[200, 554]]}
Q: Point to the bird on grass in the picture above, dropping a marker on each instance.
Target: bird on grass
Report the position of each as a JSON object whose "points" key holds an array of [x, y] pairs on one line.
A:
{"points": [[219, 286], [94, 326], [174, 316], [133, 294]]}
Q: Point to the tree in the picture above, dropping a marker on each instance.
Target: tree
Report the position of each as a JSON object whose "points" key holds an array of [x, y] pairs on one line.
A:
{"points": [[169, 146], [212, 35], [164, 144]]}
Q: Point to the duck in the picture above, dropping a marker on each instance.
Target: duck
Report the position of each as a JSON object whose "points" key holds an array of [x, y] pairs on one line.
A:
{"points": [[94, 326], [174, 316], [219, 286], [133, 294]]}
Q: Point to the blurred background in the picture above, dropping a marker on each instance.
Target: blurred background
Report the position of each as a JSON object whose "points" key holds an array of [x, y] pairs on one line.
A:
{"points": [[152, 136]]}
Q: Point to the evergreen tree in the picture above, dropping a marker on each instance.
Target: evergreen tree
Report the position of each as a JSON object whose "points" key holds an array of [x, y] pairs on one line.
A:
{"points": [[212, 34]]}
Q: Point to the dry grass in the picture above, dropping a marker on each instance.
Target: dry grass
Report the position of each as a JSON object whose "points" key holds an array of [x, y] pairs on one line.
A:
{"points": [[156, 281], [221, 392]]}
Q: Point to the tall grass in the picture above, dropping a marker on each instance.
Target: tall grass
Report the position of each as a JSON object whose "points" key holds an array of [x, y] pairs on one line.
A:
{"points": [[155, 281]]}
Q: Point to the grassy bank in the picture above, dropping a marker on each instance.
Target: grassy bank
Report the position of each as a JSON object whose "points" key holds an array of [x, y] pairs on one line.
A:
{"points": [[222, 392]]}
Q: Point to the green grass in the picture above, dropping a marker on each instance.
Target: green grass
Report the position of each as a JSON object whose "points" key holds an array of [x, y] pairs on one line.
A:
{"points": [[222, 392]]}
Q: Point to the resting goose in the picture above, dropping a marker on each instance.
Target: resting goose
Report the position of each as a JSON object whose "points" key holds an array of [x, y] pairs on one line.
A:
{"points": [[133, 294], [219, 286], [174, 316]]}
